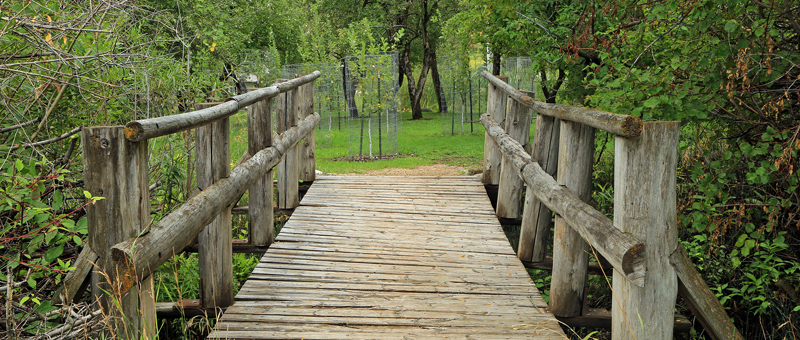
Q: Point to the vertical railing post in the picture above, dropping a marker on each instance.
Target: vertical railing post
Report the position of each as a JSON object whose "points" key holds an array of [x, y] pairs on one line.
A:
{"points": [[286, 115], [116, 169], [305, 107], [645, 206], [536, 217], [259, 137], [570, 251], [509, 191], [215, 261], [496, 101]]}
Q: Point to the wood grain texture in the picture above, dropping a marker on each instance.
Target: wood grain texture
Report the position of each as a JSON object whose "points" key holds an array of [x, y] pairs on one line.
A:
{"points": [[352, 265], [620, 125], [536, 217], [260, 212], [142, 129], [77, 280], [288, 189], [570, 251], [116, 169], [509, 192], [701, 300], [138, 257], [623, 250], [645, 206], [212, 150], [307, 147], [496, 102]]}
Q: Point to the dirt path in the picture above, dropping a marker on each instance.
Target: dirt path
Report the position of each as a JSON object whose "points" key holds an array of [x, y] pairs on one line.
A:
{"points": [[425, 170]]}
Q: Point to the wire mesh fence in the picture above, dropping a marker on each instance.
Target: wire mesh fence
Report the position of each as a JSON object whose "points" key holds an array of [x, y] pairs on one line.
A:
{"points": [[464, 95], [371, 97], [259, 68], [520, 73], [328, 98]]}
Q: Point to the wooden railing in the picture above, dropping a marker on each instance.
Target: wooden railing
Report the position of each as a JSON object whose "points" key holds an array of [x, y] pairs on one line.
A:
{"points": [[127, 249], [650, 266]]}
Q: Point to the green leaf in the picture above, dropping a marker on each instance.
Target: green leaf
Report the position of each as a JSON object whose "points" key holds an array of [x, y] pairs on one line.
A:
{"points": [[652, 102], [53, 253], [736, 262], [731, 26], [58, 200], [32, 283]]}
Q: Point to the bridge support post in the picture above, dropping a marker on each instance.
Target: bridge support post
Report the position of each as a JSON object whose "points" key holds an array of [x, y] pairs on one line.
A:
{"points": [[116, 169], [645, 206], [570, 251], [496, 102], [305, 107], [215, 259], [509, 191], [260, 214], [536, 217], [288, 189]]}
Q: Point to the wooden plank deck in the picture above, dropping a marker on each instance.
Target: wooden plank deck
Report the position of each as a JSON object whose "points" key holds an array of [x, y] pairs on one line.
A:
{"points": [[390, 258]]}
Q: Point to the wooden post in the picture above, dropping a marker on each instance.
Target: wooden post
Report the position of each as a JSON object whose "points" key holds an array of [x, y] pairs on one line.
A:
{"points": [[496, 101], [259, 136], [215, 261], [570, 251], [305, 107], [288, 195], [116, 169], [645, 206], [509, 192], [536, 217]]}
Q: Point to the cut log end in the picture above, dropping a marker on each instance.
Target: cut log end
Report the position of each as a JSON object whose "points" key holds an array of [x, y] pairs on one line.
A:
{"points": [[125, 273], [632, 126], [634, 265], [134, 131]]}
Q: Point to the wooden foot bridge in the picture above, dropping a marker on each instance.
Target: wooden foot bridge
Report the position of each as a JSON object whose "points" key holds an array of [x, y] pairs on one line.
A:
{"points": [[395, 257], [427, 259]]}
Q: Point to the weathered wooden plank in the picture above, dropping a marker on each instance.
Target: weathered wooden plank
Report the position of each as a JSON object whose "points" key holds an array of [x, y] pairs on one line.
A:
{"points": [[622, 250], [116, 169], [645, 205], [620, 125], [509, 191], [386, 273], [306, 149], [570, 251], [259, 137], [288, 194], [174, 232], [496, 102], [536, 217], [701, 300], [139, 130], [212, 154], [77, 280]]}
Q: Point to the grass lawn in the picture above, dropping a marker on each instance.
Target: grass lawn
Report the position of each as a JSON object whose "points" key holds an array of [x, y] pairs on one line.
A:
{"points": [[420, 142]]}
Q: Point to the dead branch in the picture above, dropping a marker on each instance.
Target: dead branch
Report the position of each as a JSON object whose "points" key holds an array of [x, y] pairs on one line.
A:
{"points": [[45, 142]]}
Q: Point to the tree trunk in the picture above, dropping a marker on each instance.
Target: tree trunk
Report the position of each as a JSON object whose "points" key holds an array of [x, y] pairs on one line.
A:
{"points": [[437, 84], [496, 63], [428, 55], [349, 89], [550, 93]]}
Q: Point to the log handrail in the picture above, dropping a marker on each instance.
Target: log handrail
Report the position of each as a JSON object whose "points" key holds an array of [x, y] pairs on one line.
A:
{"points": [[620, 125], [138, 257], [623, 250], [142, 129]]}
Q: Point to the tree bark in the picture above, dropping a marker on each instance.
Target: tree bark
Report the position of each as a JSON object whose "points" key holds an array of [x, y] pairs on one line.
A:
{"points": [[349, 89], [496, 58], [437, 84]]}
